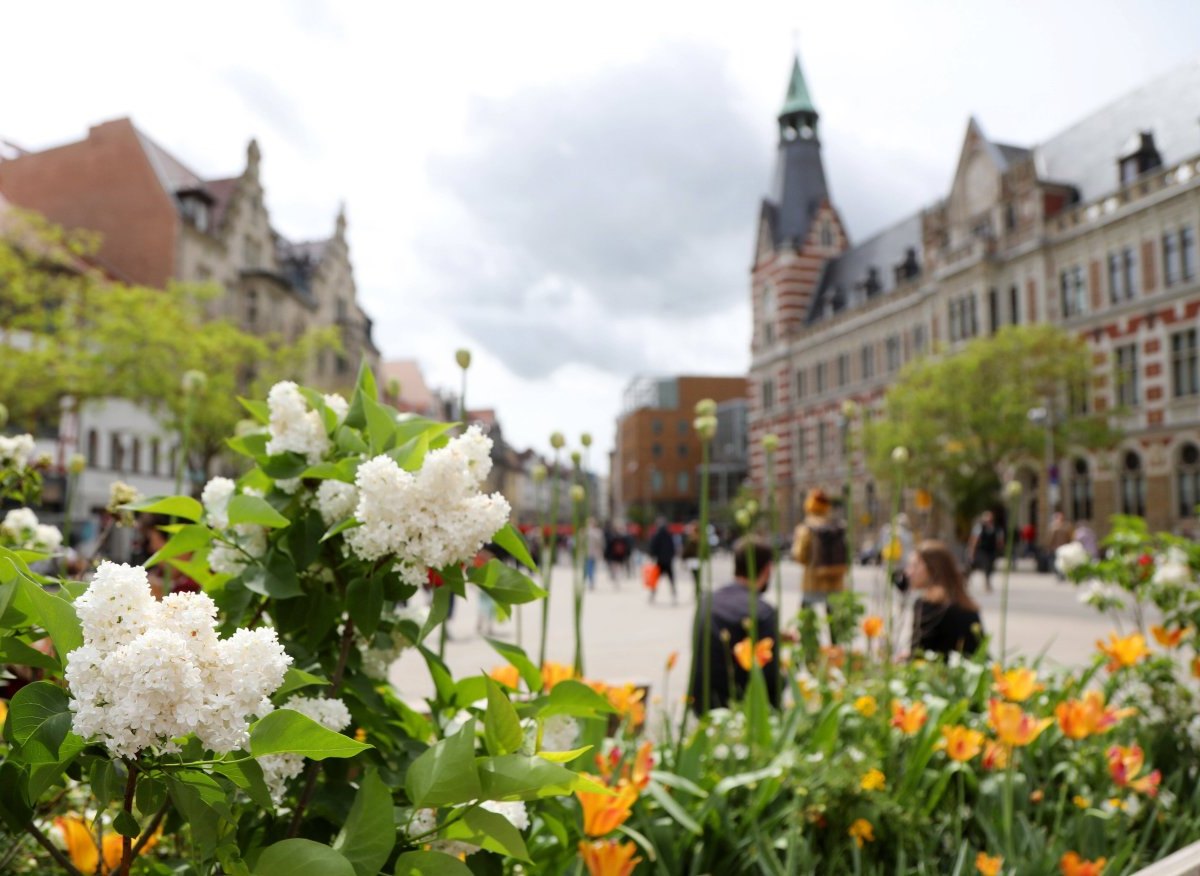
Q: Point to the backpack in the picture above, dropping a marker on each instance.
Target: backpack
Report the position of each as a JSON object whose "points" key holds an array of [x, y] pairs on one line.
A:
{"points": [[828, 546]]}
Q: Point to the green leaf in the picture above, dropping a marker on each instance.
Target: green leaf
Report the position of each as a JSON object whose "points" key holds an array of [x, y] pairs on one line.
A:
{"points": [[674, 809], [370, 831], [502, 732], [572, 698], [253, 445], [39, 718], [515, 655], [282, 466], [252, 509], [126, 825], [15, 810], [194, 794], [505, 584], [488, 830], [15, 652], [439, 610], [53, 613], [43, 775], [295, 679], [512, 541], [247, 775], [106, 784], [185, 541], [288, 732], [339, 528], [275, 578], [257, 409], [430, 864], [342, 470], [301, 857], [381, 425], [516, 776], [173, 506], [564, 756], [151, 793], [445, 774], [443, 681], [364, 601]]}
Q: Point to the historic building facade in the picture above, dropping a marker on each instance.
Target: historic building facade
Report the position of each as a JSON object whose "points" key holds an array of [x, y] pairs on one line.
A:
{"points": [[1094, 230]]}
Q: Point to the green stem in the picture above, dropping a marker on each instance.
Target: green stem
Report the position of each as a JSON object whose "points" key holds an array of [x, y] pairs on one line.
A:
{"points": [[548, 557], [185, 436], [704, 604], [888, 645], [68, 525], [580, 535], [1008, 561]]}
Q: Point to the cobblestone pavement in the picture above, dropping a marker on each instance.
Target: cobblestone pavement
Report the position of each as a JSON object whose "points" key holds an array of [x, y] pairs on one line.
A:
{"points": [[628, 638]]}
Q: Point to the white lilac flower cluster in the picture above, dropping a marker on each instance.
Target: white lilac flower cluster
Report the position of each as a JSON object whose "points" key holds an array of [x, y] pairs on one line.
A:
{"points": [[22, 530], [385, 647], [230, 555], [149, 672], [278, 769], [293, 426], [336, 500], [1070, 557], [433, 518], [1102, 596], [559, 733], [1172, 569], [424, 822], [15, 452]]}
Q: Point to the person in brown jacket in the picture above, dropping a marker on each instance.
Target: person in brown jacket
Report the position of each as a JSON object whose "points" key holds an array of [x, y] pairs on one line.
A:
{"points": [[819, 544]]}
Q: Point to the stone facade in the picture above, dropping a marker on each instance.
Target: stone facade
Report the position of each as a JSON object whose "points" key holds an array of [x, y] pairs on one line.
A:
{"points": [[1094, 230]]}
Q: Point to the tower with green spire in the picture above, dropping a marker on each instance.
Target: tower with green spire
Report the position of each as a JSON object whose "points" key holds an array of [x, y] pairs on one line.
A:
{"points": [[798, 118]]}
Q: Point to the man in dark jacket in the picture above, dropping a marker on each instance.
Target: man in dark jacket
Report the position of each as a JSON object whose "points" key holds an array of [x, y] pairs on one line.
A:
{"points": [[662, 548], [730, 608]]}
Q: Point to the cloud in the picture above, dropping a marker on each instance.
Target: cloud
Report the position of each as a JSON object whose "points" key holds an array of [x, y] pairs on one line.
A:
{"points": [[264, 98], [583, 208]]}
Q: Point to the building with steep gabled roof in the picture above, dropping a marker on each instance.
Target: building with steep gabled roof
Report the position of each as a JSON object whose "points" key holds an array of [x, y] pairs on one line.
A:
{"points": [[1094, 230], [159, 221]]}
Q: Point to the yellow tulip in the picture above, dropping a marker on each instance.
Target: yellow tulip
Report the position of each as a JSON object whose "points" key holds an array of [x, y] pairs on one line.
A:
{"points": [[988, 865], [866, 706], [862, 831], [960, 743], [1017, 684], [874, 780], [1013, 726], [604, 813], [1123, 652]]}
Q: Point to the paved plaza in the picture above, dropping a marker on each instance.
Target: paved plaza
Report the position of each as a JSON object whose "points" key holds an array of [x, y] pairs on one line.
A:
{"points": [[628, 638]]}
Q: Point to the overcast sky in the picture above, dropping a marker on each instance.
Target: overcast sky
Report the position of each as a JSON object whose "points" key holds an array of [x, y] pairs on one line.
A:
{"points": [[569, 190]]}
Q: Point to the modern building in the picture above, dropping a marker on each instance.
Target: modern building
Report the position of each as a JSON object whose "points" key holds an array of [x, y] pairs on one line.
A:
{"points": [[1093, 230], [159, 221], [656, 457]]}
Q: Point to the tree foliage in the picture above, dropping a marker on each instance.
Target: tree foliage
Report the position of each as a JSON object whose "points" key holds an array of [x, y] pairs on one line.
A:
{"points": [[964, 417]]}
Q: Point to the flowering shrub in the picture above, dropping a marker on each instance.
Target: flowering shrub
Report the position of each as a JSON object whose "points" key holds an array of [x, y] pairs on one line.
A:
{"points": [[248, 727]]}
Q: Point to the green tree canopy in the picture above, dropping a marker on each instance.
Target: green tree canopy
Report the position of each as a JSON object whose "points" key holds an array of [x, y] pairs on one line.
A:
{"points": [[68, 331], [965, 416]]}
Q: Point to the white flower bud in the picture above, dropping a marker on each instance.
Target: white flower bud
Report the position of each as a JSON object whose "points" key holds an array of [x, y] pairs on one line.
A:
{"points": [[900, 455]]}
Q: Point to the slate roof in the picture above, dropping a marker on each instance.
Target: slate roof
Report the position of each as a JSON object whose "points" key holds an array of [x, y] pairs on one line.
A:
{"points": [[844, 280], [797, 190]]}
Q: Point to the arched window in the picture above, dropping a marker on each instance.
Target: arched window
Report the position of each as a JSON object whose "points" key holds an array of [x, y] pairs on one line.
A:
{"points": [[1187, 479], [768, 315], [1133, 484], [1081, 491]]}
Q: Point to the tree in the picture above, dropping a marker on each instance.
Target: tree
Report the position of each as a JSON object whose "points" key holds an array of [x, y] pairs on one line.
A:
{"points": [[965, 416], [70, 332]]}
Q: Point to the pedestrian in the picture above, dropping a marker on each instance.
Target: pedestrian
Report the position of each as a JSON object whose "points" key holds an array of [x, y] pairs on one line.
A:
{"points": [[594, 545], [729, 610], [1086, 537], [945, 618], [662, 551], [819, 545], [986, 543], [895, 542], [1062, 531]]}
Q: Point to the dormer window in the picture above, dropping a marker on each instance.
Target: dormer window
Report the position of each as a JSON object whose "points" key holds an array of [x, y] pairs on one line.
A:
{"points": [[839, 299], [908, 268], [196, 209], [1139, 156], [872, 286]]}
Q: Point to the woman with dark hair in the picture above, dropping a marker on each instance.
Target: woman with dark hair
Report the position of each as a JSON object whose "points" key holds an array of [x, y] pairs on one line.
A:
{"points": [[945, 617]]}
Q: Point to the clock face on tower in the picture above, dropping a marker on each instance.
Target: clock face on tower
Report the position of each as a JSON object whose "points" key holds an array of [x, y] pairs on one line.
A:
{"points": [[789, 133], [806, 132]]}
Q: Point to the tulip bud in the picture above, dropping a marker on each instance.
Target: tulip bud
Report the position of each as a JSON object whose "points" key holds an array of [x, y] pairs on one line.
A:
{"points": [[706, 407], [76, 464], [578, 493], [586, 439], [850, 409], [576, 457], [770, 442], [193, 382], [742, 517], [557, 441], [900, 455], [43, 461], [705, 426], [1013, 490], [463, 358], [538, 473]]}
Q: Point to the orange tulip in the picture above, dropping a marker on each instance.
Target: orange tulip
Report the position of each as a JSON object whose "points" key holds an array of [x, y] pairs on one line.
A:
{"points": [[961, 743], [604, 813], [1079, 719], [672, 659], [1017, 684], [763, 650], [82, 849], [835, 655], [553, 673], [608, 858], [1013, 726], [1123, 652], [872, 626], [1169, 638], [995, 755], [862, 831], [643, 763], [909, 719], [1124, 764], [1073, 865], [506, 675], [627, 700], [988, 865]]}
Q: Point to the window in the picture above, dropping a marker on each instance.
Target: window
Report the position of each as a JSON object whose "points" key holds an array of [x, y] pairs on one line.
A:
{"points": [[1170, 253], [892, 353], [918, 338], [801, 446], [251, 252], [1133, 485], [656, 427], [1187, 480], [1073, 291], [974, 319], [820, 377], [993, 311], [952, 319], [135, 456], [252, 307], [116, 452], [1129, 266], [868, 361], [801, 384], [93, 448], [1114, 278], [656, 450], [826, 233], [1081, 491], [656, 481], [1127, 375], [681, 482], [155, 454], [1185, 364], [682, 427], [1187, 253], [1014, 305], [683, 451], [843, 369], [822, 441], [768, 315], [768, 394]]}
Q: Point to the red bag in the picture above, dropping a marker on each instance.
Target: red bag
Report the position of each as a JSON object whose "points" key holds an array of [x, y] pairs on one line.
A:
{"points": [[650, 573]]}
